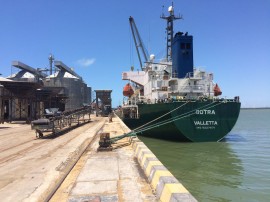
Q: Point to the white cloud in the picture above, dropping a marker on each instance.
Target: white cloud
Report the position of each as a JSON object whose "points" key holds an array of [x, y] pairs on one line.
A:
{"points": [[85, 62]]}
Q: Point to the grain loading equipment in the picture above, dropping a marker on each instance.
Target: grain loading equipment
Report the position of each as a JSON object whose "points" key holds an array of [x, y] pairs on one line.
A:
{"points": [[60, 121]]}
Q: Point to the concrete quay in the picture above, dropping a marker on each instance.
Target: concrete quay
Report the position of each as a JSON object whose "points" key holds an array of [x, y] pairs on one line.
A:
{"points": [[107, 175], [69, 168], [31, 168], [130, 172]]}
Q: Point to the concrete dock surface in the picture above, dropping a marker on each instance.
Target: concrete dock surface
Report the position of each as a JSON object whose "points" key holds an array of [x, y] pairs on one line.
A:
{"points": [[107, 175], [68, 167], [30, 168]]}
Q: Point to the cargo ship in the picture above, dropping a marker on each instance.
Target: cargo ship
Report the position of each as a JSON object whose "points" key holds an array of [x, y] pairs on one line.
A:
{"points": [[170, 98]]}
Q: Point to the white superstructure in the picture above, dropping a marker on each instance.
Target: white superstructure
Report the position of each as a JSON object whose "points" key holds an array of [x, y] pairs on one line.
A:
{"points": [[157, 82]]}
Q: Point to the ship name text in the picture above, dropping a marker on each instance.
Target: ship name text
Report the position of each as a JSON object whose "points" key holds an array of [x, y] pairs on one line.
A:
{"points": [[205, 123], [205, 111]]}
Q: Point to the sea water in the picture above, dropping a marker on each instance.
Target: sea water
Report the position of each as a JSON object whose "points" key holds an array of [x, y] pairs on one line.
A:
{"points": [[235, 169]]}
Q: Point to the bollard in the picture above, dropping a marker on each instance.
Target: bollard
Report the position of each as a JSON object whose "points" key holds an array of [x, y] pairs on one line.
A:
{"points": [[104, 142], [110, 118]]}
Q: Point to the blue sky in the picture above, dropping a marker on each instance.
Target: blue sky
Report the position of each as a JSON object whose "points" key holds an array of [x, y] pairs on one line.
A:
{"points": [[231, 39]]}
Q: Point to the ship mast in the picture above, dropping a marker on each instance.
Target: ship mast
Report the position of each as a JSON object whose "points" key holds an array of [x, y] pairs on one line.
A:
{"points": [[169, 29]]}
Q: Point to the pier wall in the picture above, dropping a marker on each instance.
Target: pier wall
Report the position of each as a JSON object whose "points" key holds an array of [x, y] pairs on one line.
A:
{"points": [[165, 185]]}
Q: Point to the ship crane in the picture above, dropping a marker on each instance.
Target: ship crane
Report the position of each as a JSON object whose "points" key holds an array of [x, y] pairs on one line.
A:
{"points": [[138, 42]]}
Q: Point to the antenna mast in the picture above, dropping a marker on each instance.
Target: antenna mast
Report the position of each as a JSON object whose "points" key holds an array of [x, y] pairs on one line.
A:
{"points": [[169, 29]]}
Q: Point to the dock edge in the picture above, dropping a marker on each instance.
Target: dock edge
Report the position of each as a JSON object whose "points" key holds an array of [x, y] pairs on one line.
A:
{"points": [[165, 185]]}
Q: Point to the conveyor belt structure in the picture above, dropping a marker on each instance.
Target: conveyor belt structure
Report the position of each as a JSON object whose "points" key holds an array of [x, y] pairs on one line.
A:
{"points": [[61, 121]]}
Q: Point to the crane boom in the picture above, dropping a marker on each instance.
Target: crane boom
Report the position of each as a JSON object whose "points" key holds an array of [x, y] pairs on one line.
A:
{"points": [[138, 42]]}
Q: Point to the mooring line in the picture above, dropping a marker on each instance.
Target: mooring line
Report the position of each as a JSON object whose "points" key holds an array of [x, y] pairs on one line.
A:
{"points": [[160, 116], [186, 114]]}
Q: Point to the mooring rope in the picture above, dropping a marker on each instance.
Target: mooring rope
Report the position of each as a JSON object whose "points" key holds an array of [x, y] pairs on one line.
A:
{"points": [[160, 116], [186, 114]]}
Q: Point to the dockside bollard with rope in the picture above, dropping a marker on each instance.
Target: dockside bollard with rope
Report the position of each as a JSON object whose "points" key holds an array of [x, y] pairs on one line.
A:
{"points": [[105, 142]]}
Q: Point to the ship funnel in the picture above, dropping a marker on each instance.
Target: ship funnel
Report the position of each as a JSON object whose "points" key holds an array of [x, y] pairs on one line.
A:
{"points": [[182, 55]]}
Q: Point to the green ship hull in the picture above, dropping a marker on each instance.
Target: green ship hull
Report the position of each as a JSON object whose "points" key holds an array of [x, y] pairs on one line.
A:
{"points": [[196, 121]]}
